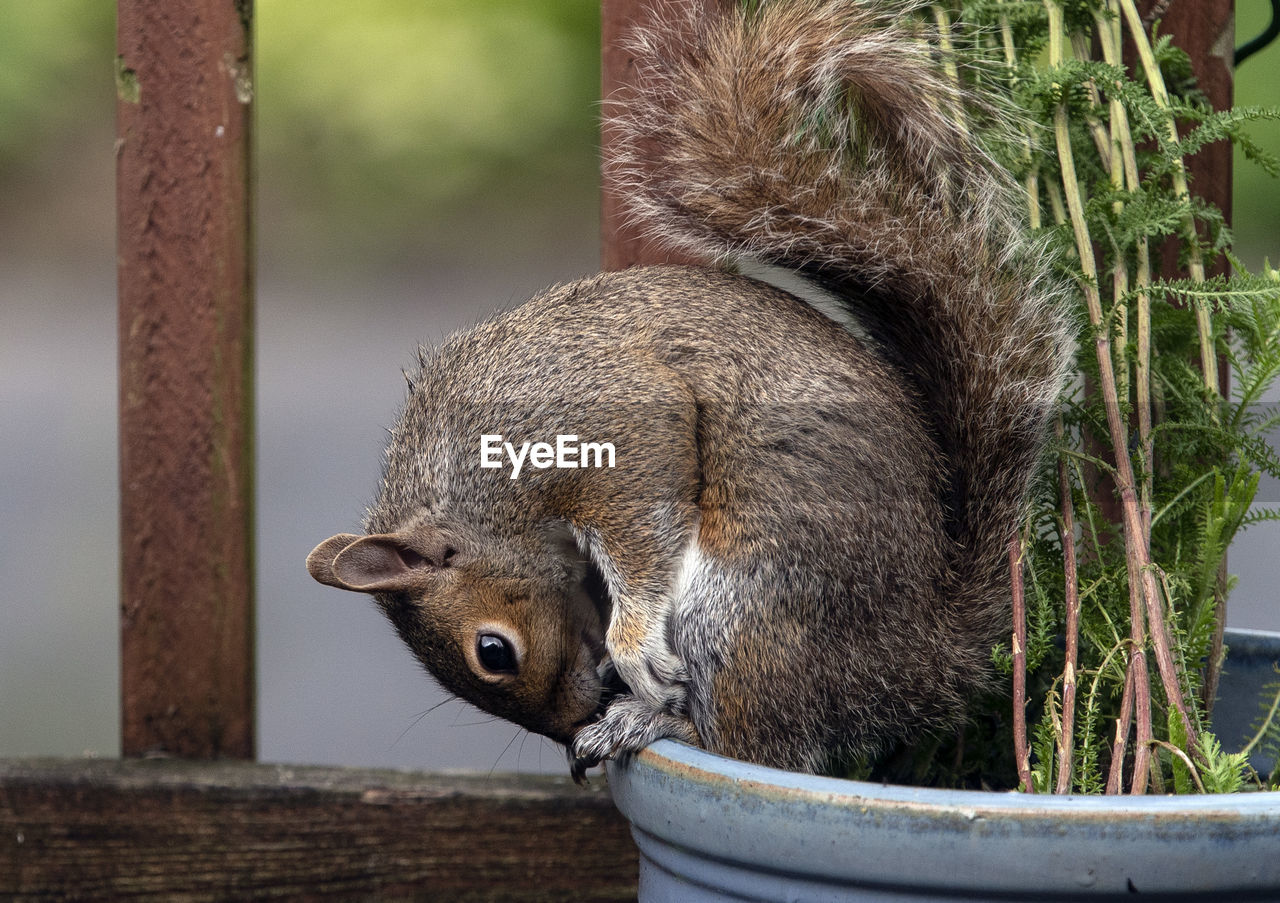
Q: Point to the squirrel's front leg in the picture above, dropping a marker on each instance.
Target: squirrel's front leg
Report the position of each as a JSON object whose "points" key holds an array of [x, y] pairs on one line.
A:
{"points": [[640, 646], [627, 726], [644, 576], [640, 651], [640, 540]]}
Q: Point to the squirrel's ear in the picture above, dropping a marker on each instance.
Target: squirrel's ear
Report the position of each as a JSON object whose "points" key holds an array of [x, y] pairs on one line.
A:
{"points": [[320, 561], [367, 564]]}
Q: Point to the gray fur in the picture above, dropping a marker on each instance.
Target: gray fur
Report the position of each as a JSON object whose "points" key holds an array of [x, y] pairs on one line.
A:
{"points": [[803, 540]]}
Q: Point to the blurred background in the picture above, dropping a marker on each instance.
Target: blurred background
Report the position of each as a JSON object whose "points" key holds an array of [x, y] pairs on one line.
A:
{"points": [[421, 164]]}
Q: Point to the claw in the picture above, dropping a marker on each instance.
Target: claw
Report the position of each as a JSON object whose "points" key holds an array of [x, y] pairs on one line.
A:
{"points": [[627, 726], [578, 766]]}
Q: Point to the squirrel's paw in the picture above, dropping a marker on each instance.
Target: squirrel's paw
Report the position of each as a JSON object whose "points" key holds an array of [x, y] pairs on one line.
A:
{"points": [[627, 726], [656, 676]]}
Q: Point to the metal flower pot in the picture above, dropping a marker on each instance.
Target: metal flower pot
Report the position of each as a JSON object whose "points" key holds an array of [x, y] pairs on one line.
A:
{"points": [[711, 828]]}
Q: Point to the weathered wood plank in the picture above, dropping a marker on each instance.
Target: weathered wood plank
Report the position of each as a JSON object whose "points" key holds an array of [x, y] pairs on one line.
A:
{"points": [[182, 830]]}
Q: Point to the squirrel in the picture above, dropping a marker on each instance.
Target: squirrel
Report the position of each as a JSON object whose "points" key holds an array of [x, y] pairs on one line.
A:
{"points": [[796, 546]]}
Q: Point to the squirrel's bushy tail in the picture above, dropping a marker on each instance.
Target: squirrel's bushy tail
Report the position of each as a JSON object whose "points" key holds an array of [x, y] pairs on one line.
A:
{"points": [[825, 136]]}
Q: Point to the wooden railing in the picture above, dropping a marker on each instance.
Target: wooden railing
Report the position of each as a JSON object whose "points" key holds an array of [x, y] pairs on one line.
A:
{"points": [[198, 819], [197, 830], [187, 814]]}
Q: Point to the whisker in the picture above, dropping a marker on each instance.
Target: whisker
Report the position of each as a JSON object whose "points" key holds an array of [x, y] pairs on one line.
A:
{"points": [[467, 708], [504, 750], [520, 752], [418, 718]]}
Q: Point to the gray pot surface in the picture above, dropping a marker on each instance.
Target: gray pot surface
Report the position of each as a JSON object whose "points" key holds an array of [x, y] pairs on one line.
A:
{"points": [[711, 828]]}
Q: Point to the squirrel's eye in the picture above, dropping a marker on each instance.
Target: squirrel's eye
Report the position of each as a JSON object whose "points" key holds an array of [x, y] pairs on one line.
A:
{"points": [[495, 654]]}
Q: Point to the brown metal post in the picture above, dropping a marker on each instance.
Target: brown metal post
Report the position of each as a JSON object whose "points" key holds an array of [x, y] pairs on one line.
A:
{"points": [[623, 245], [185, 258], [1205, 29]]}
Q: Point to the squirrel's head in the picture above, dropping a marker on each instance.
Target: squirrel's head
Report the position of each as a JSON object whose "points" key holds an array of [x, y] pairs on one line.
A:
{"points": [[523, 643]]}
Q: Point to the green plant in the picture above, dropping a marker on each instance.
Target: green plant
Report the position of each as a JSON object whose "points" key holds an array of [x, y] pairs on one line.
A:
{"points": [[1155, 467], [1118, 576]]}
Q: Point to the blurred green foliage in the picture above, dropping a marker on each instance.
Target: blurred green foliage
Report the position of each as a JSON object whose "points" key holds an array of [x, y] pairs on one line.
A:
{"points": [[1256, 213], [49, 53], [390, 122], [380, 125], [392, 116]]}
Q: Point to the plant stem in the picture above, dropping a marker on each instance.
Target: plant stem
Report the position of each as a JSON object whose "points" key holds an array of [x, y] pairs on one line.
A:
{"points": [[1186, 759], [1123, 170], [1142, 705], [1137, 547], [1021, 749], [1031, 182], [1195, 262], [1066, 738], [1115, 777], [1110, 40], [1195, 267], [1262, 729], [943, 20], [1101, 140]]}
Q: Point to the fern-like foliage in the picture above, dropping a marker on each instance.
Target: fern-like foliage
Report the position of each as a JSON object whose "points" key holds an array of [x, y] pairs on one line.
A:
{"points": [[1102, 152], [1197, 466], [1198, 463]]}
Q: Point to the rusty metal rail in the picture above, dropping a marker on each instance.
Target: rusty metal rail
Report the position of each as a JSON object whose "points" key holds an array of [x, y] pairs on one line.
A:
{"points": [[185, 252]]}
